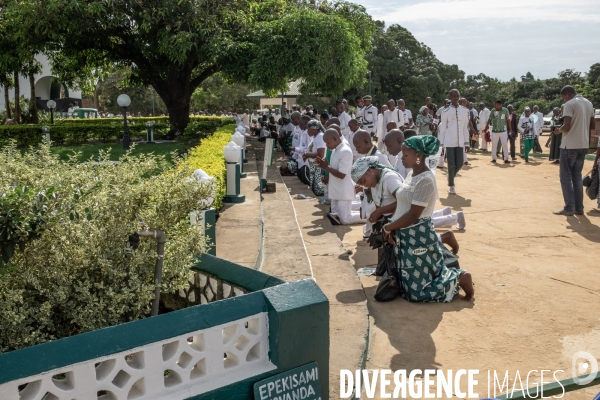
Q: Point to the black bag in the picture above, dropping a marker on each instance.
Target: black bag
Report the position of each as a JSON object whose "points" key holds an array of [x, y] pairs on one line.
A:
{"points": [[387, 259], [389, 285], [590, 181]]}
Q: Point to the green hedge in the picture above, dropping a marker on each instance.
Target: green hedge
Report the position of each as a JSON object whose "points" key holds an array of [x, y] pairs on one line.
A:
{"points": [[79, 131]]}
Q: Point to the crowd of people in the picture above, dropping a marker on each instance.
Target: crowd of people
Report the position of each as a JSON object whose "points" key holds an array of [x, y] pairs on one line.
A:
{"points": [[378, 169]]}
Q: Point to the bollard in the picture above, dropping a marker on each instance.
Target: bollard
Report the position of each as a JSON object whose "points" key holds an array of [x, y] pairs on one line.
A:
{"points": [[239, 139], [232, 157], [150, 133], [46, 131]]}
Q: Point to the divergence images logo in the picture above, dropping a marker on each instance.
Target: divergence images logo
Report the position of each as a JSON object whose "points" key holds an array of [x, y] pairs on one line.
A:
{"points": [[584, 363]]}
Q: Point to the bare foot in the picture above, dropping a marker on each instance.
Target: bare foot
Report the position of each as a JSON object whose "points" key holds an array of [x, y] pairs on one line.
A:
{"points": [[449, 239], [466, 283]]}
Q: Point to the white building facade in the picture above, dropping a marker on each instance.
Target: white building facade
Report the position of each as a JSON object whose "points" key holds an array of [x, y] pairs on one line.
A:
{"points": [[43, 85]]}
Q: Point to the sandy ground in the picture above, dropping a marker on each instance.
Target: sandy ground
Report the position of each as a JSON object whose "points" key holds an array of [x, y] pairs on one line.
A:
{"points": [[537, 280]]}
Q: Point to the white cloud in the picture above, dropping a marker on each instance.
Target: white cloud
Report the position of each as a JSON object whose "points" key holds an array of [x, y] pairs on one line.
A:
{"points": [[492, 11]]}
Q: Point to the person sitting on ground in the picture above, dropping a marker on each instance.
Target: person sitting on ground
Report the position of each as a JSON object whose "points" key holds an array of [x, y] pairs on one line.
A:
{"points": [[364, 147], [315, 149], [324, 118], [423, 274], [286, 135], [291, 167], [331, 123], [341, 188], [393, 143], [305, 140]]}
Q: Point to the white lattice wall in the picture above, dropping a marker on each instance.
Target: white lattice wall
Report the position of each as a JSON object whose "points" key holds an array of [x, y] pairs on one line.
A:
{"points": [[177, 368]]}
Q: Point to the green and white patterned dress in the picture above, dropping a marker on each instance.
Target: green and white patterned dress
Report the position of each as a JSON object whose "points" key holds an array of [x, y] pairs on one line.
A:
{"points": [[421, 268]]}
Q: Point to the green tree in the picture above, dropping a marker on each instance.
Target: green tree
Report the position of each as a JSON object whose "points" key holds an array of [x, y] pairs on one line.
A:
{"points": [[216, 94], [175, 45]]}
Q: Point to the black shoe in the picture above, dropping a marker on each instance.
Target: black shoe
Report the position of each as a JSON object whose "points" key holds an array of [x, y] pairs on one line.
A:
{"points": [[579, 213], [494, 161], [506, 162]]}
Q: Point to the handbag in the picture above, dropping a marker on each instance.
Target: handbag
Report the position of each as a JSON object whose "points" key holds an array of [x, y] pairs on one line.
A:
{"points": [[488, 137], [591, 184], [387, 260], [389, 285]]}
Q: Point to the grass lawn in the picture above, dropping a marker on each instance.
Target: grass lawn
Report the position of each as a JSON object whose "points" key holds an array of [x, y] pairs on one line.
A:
{"points": [[88, 151]]}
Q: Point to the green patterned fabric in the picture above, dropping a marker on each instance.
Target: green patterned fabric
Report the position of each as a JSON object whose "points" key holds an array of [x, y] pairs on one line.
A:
{"points": [[421, 268], [498, 119]]}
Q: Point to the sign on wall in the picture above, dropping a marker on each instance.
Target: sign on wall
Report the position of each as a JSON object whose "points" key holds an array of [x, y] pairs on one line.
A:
{"points": [[300, 383]]}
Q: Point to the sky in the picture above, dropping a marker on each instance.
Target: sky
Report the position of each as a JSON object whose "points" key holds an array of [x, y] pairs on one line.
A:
{"points": [[501, 38]]}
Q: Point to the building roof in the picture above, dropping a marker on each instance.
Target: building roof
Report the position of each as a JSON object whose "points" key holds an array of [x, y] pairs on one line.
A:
{"points": [[294, 91]]}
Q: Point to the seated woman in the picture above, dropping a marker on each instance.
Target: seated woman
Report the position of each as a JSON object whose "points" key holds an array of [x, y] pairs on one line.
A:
{"points": [[422, 271]]}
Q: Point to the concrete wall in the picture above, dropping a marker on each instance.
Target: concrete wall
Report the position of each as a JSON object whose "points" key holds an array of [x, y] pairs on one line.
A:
{"points": [[43, 82]]}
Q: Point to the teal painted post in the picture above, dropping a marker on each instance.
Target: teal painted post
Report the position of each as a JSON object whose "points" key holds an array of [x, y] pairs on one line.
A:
{"points": [[298, 334], [242, 173], [273, 153], [210, 219], [233, 185]]}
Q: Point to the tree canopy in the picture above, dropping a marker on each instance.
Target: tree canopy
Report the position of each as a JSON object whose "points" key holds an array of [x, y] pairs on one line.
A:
{"points": [[175, 45]]}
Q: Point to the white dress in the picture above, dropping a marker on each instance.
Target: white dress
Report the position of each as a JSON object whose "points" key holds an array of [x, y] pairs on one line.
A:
{"points": [[419, 190]]}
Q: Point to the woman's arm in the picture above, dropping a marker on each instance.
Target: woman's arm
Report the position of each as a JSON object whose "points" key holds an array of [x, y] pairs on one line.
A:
{"points": [[375, 215], [319, 153]]}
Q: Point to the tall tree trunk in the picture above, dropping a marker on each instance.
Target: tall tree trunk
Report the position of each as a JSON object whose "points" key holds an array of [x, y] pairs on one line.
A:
{"points": [[17, 98], [33, 110], [96, 89], [176, 97], [7, 102]]}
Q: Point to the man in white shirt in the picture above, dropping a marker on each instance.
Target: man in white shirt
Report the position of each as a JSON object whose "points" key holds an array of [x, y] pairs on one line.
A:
{"points": [[245, 117], [341, 187], [393, 142], [343, 117], [539, 125], [381, 129], [364, 147], [276, 116], [360, 106], [305, 140], [408, 118], [454, 136], [484, 116], [393, 114], [369, 117]]}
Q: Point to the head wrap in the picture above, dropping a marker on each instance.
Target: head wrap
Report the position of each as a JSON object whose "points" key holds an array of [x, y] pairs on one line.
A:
{"points": [[422, 109], [423, 144], [362, 165], [314, 124]]}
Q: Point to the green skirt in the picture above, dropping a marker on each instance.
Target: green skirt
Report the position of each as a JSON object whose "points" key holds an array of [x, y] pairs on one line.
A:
{"points": [[421, 268]]}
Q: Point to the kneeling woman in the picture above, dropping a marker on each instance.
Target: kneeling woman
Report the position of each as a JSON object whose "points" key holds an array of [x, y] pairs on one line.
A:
{"points": [[421, 266]]}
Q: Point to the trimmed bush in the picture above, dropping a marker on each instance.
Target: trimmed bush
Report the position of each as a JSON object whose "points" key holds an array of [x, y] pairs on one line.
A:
{"points": [[79, 131], [64, 227], [208, 155]]}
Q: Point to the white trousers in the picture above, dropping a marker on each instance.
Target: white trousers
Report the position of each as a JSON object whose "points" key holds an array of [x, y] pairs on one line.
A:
{"points": [[483, 142], [343, 209], [444, 221], [441, 160], [503, 137], [465, 155]]}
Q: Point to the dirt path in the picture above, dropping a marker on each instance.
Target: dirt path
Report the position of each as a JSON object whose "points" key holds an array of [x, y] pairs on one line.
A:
{"points": [[537, 283]]}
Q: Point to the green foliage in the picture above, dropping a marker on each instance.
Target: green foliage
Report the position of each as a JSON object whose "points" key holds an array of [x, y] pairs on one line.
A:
{"points": [[114, 151], [76, 274], [78, 131], [209, 157], [216, 94], [197, 130]]}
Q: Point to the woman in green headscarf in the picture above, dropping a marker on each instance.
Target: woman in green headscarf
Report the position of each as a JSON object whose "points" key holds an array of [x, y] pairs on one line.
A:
{"points": [[422, 271]]}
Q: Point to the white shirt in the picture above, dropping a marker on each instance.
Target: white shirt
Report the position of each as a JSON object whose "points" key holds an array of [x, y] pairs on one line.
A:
{"points": [[355, 155], [276, 117], [381, 130], [419, 190], [296, 140], [302, 148], [454, 127], [318, 143], [407, 117], [384, 193], [397, 160], [484, 116], [344, 119], [539, 124], [360, 111], [395, 115], [341, 160], [245, 119], [370, 119]]}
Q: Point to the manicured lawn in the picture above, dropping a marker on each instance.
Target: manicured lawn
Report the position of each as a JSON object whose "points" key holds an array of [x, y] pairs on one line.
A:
{"points": [[88, 151]]}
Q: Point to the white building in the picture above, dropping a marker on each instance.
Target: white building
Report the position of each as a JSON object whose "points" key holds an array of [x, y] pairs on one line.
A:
{"points": [[44, 87]]}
